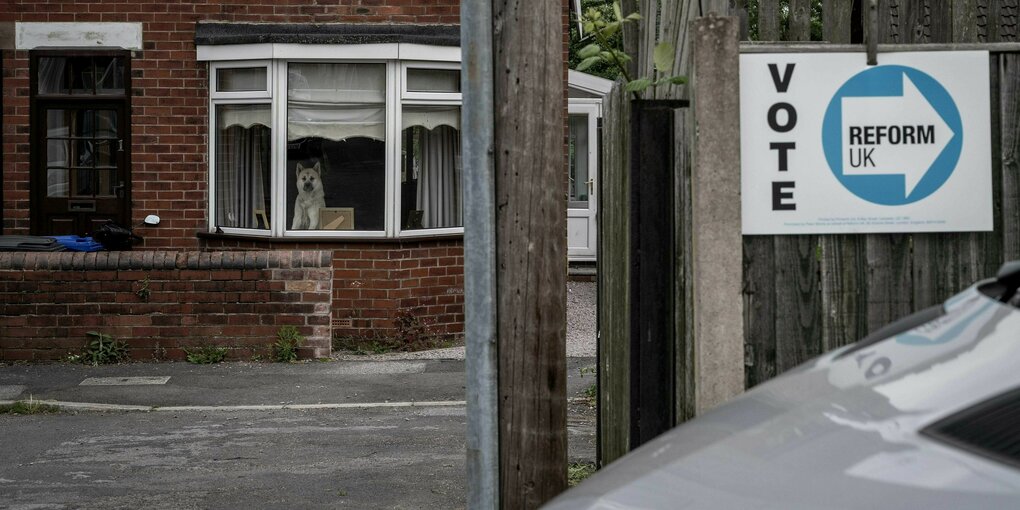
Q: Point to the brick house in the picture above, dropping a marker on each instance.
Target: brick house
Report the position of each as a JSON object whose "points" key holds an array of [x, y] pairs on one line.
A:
{"points": [[284, 126]]}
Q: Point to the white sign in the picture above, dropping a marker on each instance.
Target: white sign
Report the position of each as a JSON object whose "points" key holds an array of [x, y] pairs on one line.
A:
{"points": [[832, 145]]}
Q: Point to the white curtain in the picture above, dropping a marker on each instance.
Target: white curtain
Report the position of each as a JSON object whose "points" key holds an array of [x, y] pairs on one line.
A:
{"points": [[242, 171], [439, 178], [336, 101]]}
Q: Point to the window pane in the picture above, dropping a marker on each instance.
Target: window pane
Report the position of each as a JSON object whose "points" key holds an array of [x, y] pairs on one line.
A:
{"points": [[104, 153], [106, 124], [243, 150], [52, 75], [58, 123], [82, 75], [83, 182], [241, 79], [109, 75], [578, 162], [56, 182], [433, 80], [336, 130], [107, 181], [57, 152], [430, 189]]}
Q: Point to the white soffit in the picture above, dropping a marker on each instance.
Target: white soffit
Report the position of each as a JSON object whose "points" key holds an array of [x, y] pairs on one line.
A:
{"points": [[28, 36], [290, 51], [589, 83]]}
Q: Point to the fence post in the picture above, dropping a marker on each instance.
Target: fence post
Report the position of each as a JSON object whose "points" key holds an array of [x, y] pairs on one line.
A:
{"points": [[718, 323]]}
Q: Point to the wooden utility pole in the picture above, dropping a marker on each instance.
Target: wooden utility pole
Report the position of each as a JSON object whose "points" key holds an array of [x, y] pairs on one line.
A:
{"points": [[531, 255]]}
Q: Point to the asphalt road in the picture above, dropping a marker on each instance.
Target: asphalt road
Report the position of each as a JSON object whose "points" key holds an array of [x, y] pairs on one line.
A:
{"points": [[225, 455]]}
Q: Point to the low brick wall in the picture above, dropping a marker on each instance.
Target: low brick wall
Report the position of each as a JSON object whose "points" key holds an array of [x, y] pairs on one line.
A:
{"points": [[162, 302]]}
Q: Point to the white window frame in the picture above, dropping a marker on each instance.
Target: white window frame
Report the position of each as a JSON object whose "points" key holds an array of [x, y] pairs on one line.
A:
{"points": [[276, 58], [215, 93], [226, 98]]}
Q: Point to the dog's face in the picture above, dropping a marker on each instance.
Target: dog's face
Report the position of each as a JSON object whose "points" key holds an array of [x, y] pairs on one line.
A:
{"points": [[308, 178]]}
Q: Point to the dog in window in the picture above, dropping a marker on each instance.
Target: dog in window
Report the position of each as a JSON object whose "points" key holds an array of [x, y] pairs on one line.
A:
{"points": [[310, 197]]}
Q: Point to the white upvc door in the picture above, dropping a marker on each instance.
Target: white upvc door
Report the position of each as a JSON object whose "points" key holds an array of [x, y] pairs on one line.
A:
{"points": [[583, 176]]}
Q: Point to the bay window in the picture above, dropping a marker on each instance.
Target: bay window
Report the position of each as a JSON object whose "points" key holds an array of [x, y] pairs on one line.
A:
{"points": [[317, 148]]}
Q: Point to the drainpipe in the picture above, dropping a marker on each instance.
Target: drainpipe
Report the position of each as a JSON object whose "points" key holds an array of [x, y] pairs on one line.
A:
{"points": [[479, 255]]}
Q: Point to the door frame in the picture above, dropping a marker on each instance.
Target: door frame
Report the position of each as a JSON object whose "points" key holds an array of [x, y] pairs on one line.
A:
{"points": [[37, 126], [593, 109]]}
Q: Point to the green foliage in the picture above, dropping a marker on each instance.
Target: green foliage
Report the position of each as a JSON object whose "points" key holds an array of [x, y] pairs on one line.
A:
{"points": [[103, 349], [606, 50], [591, 394], [28, 407], [288, 339], [577, 472], [206, 355], [144, 291]]}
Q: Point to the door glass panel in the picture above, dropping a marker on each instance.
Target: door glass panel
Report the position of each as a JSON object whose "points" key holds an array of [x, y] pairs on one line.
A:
{"points": [[82, 74], [107, 180], [52, 76], [58, 123], [56, 182], [57, 152], [104, 153], [106, 124], [83, 182], [85, 154], [578, 198], [109, 75]]}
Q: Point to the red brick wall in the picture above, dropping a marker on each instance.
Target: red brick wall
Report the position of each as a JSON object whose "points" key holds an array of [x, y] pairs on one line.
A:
{"points": [[48, 301], [375, 283], [169, 119]]}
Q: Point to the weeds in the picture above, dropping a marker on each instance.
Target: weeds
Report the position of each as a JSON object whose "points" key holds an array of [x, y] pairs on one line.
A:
{"points": [[591, 393], [206, 355], [28, 407], [288, 340], [103, 349], [577, 472]]}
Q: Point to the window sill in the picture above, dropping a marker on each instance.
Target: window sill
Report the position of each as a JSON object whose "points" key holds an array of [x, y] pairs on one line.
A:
{"points": [[327, 239]]}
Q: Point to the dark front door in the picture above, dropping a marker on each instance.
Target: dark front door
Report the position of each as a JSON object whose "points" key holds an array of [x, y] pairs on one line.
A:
{"points": [[80, 156]]}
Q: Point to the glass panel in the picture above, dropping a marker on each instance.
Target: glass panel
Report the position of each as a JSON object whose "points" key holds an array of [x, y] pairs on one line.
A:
{"points": [[85, 153], [433, 80], [52, 75], [82, 74], [430, 189], [242, 171], [104, 152], [578, 198], [83, 182], [57, 152], [107, 180], [109, 75], [241, 79], [56, 182], [336, 155], [106, 124], [58, 123]]}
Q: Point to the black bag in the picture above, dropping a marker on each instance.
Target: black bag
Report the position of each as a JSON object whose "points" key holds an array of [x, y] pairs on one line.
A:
{"points": [[115, 237]]}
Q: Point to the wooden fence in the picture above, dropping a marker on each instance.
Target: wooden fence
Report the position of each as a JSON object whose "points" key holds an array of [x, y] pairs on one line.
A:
{"points": [[806, 294]]}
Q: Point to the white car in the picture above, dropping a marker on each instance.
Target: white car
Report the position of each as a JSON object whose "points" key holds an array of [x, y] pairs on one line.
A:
{"points": [[922, 414]]}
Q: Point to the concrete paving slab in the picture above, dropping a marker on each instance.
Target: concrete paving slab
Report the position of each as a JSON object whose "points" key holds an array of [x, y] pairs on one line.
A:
{"points": [[11, 391], [124, 381]]}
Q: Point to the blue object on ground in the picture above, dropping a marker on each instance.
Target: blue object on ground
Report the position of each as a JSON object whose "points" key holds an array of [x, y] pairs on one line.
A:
{"points": [[76, 243]]}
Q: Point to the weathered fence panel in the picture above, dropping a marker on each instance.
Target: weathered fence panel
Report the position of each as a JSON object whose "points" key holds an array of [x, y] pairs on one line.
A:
{"points": [[613, 279], [804, 295]]}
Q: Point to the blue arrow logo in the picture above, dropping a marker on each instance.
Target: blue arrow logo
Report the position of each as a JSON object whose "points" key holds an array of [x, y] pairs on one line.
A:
{"points": [[892, 135]]}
